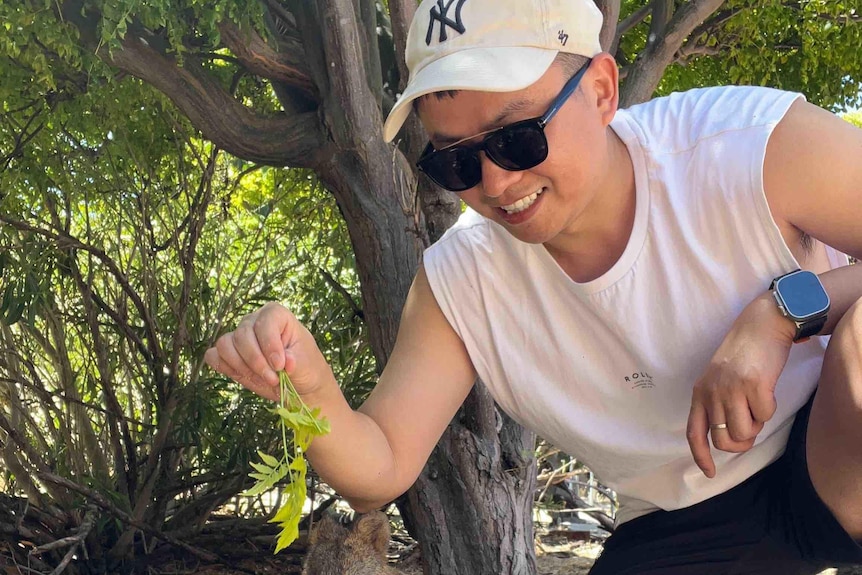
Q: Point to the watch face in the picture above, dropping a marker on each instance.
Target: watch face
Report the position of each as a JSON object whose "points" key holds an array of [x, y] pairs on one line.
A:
{"points": [[803, 295]]}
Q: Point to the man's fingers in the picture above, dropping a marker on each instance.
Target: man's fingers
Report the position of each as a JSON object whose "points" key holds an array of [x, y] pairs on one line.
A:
{"points": [[696, 433], [741, 427], [234, 366], [271, 330], [247, 346], [212, 359], [722, 441], [762, 404], [225, 359], [229, 361], [262, 388]]}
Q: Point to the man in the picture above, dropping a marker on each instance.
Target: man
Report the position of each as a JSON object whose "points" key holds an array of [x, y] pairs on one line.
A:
{"points": [[626, 284]]}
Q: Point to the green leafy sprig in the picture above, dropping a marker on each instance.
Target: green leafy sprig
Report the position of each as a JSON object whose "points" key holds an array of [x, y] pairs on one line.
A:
{"points": [[305, 424]]}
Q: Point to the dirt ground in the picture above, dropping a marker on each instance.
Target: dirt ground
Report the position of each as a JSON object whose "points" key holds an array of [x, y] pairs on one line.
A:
{"points": [[575, 560], [554, 556]]}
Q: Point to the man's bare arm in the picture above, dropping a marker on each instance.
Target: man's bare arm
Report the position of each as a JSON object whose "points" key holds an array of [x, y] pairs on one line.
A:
{"points": [[813, 178], [374, 454]]}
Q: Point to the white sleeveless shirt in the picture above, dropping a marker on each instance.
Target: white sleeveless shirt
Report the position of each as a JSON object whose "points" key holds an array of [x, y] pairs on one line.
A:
{"points": [[604, 370]]}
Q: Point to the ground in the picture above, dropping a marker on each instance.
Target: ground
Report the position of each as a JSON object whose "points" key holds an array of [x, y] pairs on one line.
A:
{"points": [[554, 556]]}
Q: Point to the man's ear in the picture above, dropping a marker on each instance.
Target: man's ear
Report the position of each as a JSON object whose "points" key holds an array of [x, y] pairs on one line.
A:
{"points": [[605, 85]]}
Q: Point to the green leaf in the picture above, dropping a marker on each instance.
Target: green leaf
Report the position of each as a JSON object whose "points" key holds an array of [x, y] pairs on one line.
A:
{"points": [[288, 535], [263, 468], [304, 424], [269, 459]]}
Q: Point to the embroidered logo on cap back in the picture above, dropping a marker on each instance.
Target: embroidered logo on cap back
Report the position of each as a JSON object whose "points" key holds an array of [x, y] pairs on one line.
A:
{"points": [[440, 13]]}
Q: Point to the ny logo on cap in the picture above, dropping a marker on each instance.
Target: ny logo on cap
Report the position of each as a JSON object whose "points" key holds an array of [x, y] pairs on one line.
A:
{"points": [[440, 13]]}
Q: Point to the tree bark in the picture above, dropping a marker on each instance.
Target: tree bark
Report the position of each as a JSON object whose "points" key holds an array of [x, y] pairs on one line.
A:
{"points": [[471, 508], [488, 507]]}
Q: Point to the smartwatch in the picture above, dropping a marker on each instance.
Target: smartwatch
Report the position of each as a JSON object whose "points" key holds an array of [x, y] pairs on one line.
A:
{"points": [[802, 299]]}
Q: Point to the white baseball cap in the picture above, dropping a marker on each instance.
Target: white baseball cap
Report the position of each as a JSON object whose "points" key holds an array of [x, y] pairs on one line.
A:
{"points": [[490, 45]]}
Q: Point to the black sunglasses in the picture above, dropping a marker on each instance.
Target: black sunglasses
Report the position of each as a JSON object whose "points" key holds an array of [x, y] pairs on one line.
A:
{"points": [[518, 146]]}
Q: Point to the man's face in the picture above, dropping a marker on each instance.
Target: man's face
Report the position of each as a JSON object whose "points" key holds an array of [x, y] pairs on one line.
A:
{"points": [[538, 204]]}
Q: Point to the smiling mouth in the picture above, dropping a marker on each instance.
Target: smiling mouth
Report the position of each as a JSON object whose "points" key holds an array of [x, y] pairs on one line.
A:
{"points": [[523, 203]]}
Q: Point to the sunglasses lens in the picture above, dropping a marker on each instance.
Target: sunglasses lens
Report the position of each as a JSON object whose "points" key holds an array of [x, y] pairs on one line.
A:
{"points": [[518, 147], [456, 169]]}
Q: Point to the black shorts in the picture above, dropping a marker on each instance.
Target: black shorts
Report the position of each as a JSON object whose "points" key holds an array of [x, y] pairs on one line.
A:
{"points": [[773, 523]]}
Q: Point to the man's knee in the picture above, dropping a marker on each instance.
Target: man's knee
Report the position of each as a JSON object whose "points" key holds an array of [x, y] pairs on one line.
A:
{"points": [[848, 331], [835, 429], [842, 365]]}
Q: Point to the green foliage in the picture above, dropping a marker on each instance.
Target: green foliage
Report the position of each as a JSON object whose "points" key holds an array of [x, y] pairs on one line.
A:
{"points": [[854, 118], [53, 51], [810, 47], [303, 424], [127, 246], [181, 23], [39, 49]]}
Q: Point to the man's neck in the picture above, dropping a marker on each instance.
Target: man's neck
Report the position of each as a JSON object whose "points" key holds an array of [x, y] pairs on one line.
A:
{"points": [[606, 224]]}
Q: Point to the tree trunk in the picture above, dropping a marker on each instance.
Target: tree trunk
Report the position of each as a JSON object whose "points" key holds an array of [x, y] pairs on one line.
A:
{"points": [[471, 508], [477, 487]]}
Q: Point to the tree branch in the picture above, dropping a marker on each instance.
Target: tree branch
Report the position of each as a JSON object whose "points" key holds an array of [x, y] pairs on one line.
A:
{"points": [[260, 59], [22, 139], [72, 542], [633, 20], [196, 220], [719, 18], [15, 375], [686, 20], [119, 435], [65, 241], [845, 18], [275, 140], [366, 16], [662, 12], [102, 502], [685, 53], [644, 75], [440, 207], [349, 89], [45, 395], [33, 459], [401, 14], [333, 283]]}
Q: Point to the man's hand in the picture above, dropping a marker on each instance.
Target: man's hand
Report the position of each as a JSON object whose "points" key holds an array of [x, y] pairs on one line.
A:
{"points": [[265, 342], [738, 388]]}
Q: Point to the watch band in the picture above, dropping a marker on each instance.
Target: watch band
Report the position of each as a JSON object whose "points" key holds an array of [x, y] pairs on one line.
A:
{"points": [[806, 329]]}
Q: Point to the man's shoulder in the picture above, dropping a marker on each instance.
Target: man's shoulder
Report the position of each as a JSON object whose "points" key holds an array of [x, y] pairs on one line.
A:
{"points": [[471, 227], [473, 246], [680, 120], [702, 100]]}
